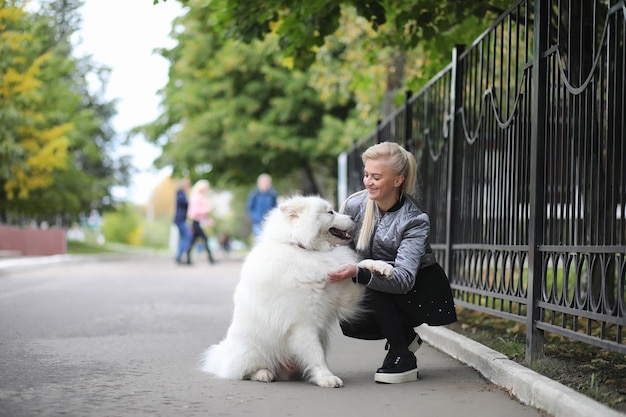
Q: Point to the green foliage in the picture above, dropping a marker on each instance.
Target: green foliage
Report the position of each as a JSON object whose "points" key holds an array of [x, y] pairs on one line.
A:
{"points": [[303, 26], [56, 137], [34, 149], [122, 226], [285, 86], [156, 233], [239, 109], [85, 248]]}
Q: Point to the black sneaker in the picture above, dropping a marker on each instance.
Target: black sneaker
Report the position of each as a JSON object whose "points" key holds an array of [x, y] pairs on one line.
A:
{"points": [[413, 347], [400, 369], [389, 357], [388, 362]]}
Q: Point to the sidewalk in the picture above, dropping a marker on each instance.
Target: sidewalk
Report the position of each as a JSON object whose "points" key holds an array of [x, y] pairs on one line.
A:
{"points": [[527, 386]]}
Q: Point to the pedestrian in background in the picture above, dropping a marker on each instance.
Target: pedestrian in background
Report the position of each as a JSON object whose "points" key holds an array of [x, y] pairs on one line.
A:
{"points": [[198, 212], [180, 220], [260, 201]]}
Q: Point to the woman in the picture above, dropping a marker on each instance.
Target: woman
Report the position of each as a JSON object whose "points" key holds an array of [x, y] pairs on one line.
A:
{"points": [[391, 227], [198, 211]]}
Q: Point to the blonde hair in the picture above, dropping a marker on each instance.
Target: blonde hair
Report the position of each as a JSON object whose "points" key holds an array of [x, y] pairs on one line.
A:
{"points": [[402, 163], [199, 186]]}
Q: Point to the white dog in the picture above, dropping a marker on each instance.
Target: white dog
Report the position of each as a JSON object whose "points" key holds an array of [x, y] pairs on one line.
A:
{"points": [[285, 309]]}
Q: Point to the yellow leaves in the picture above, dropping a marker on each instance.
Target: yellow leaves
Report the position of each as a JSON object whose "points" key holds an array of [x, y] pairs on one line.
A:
{"points": [[288, 62], [18, 80], [53, 151], [14, 82], [275, 26], [46, 151], [134, 236], [14, 40], [9, 14], [9, 38]]}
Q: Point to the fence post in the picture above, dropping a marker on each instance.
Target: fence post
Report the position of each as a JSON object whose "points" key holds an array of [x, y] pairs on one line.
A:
{"points": [[534, 336], [408, 122], [456, 91]]}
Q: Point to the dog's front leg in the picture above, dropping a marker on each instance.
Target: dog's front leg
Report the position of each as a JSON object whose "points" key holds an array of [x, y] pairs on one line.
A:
{"points": [[310, 353], [263, 375]]}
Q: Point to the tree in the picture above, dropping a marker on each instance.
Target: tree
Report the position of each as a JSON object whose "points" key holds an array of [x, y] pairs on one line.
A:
{"points": [[302, 26], [56, 139], [240, 70], [33, 148], [240, 110]]}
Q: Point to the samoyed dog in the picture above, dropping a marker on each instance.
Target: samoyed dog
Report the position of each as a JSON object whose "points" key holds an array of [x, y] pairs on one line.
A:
{"points": [[284, 307]]}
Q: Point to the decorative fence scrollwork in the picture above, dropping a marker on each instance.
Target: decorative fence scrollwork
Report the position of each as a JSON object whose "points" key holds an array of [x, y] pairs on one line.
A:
{"points": [[522, 149]]}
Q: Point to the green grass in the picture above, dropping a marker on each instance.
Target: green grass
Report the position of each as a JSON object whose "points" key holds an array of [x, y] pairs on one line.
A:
{"points": [[82, 248]]}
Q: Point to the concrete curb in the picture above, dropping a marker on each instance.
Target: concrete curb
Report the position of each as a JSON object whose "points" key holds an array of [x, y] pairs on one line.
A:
{"points": [[27, 262], [526, 385], [37, 261]]}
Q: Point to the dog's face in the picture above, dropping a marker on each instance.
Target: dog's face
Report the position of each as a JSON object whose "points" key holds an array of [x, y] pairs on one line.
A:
{"points": [[314, 224]]}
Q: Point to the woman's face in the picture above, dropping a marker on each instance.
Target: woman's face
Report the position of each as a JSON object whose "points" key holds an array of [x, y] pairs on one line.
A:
{"points": [[382, 185]]}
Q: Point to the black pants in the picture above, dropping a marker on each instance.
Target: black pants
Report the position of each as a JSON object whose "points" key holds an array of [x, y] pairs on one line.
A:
{"points": [[198, 233], [393, 316]]}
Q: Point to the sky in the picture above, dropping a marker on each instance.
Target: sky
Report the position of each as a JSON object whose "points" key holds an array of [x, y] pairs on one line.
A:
{"points": [[122, 34]]}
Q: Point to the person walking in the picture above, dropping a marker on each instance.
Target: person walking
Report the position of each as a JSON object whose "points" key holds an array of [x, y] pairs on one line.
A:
{"points": [[199, 211], [391, 227], [180, 220], [260, 201]]}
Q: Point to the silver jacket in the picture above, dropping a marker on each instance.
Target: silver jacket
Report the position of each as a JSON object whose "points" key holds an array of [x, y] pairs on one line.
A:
{"points": [[399, 238]]}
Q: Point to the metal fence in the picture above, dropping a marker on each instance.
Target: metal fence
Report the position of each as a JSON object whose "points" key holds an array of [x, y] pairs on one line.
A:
{"points": [[521, 144]]}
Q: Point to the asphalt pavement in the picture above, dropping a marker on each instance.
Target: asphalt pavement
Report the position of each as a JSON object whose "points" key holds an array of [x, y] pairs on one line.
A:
{"points": [[122, 336]]}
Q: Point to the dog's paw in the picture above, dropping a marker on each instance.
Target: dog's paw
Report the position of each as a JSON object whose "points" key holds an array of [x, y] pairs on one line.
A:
{"points": [[263, 375], [328, 381], [380, 267]]}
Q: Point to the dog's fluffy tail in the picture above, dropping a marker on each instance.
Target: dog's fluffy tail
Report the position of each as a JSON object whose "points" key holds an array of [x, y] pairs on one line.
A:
{"points": [[215, 361], [226, 360]]}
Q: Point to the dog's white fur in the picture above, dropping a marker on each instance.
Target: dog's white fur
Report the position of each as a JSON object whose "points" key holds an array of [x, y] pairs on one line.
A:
{"points": [[285, 308]]}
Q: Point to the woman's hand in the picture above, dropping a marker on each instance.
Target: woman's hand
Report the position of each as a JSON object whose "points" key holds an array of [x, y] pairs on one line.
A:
{"points": [[345, 272]]}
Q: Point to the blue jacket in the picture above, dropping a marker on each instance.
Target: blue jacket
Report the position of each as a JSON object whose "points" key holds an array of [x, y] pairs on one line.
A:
{"points": [[181, 207], [260, 203]]}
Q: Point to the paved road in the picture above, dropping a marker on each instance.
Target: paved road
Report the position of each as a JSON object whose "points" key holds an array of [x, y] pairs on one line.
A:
{"points": [[123, 338]]}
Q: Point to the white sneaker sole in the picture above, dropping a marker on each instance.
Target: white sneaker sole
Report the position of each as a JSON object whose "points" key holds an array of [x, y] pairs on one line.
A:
{"points": [[408, 376]]}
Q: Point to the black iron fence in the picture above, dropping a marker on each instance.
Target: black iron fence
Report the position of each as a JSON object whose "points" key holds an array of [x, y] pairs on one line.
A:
{"points": [[521, 143]]}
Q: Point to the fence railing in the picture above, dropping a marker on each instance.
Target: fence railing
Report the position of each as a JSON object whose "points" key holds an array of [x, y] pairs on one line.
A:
{"points": [[521, 143]]}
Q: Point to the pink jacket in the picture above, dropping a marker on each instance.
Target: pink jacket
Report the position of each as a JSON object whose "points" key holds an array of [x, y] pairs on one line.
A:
{"points": [[199, 208]]}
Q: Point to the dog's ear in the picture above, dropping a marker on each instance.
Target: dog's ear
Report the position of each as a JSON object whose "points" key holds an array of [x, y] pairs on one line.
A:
{"points": [[292, 208]]}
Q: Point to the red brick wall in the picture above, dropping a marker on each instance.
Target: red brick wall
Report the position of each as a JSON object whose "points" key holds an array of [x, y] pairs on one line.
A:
{"points": [[33, 242]]}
